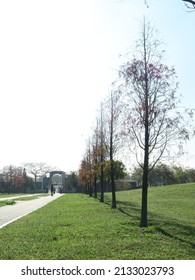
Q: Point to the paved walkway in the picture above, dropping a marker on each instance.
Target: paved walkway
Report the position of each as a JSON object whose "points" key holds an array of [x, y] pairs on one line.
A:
{"points": [[11, 213], [14, 197]]}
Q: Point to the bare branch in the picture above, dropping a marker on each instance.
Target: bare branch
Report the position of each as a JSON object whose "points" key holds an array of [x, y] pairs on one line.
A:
{"points": [[190, 1]]}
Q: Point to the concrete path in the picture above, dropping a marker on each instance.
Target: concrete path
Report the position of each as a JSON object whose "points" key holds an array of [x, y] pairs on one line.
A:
{"points": [[11, 213], [14, 197]]}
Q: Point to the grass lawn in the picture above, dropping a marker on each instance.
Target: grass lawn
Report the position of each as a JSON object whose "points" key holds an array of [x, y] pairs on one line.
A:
{"points": [[5, 195], [76, 226], [7, 202], [23, 198]]}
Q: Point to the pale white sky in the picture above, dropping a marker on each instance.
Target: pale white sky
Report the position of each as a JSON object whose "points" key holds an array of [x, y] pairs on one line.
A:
{"points": [[57, 61]]}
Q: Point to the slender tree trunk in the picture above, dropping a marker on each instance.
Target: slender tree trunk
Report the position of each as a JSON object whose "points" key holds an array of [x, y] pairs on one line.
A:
{"points": [[144, 208], [96, 161], [102, 159], [35, 183], [95, 174], [95, 186], [113, 184], [102, 183], [111, 157], [87, 188], [90, 189]]}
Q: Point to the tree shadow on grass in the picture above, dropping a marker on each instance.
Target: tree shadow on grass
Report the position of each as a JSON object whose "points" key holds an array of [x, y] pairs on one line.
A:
{"points": [[126, 207], [172, 229], [177, 231], [130, 209], [191, 234]]}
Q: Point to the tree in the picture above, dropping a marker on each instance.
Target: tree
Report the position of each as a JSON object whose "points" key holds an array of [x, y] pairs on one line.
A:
{"points": [[72, 181], [118, 168], [181, 175], [38, 169], [13, 177], [102, 152], [89, 167], [28, 181], [83, 176], [113, 109], [153, 122], [8, 173], [163, 174], [85, 173], [95, 155]]}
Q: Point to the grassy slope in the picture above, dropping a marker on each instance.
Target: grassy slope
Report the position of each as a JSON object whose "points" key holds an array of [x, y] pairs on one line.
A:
{"points": [[78, 227]]}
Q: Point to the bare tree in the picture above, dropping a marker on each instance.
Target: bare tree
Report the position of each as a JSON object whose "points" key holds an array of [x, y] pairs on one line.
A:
{"points": [[102, 155], [95, 156], [37, 169], [89, 166], [14, 176], [153, 122], [189, 3], [113, 109], [99, 152], [84, 176]]}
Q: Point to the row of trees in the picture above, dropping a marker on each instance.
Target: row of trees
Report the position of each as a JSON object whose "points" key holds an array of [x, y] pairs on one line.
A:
{"points": [[100, 161], [29, 177], [143, 113], [13, 179], [95, 176], [163, 174], [22, 178]]}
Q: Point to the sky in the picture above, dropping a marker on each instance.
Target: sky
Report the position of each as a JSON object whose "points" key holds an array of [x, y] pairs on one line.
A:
{"points": [[58, 59]]}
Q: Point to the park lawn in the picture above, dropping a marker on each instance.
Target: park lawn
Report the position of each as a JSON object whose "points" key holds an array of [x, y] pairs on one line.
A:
{"points": [[6, 195], [76, 226], [7, 202], [24, 198]]}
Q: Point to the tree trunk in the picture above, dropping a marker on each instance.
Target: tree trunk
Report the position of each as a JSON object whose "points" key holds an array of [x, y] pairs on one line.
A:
{"points": [[102, 158], [144, 209], [35, 182], [95, 186], [111, 156], [102, 183], [113, 184], [90, 189]]}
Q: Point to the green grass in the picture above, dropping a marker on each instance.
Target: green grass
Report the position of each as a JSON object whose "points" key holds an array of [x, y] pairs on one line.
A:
{"points": [[78, 227], [6, 195], [7, 202], [24, 198]]}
